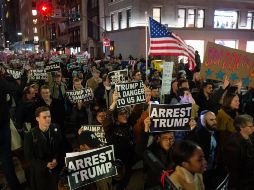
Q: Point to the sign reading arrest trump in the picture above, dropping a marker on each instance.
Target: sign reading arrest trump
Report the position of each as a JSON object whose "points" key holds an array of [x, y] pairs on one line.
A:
{"points": [[166, 117], [90, 166]]}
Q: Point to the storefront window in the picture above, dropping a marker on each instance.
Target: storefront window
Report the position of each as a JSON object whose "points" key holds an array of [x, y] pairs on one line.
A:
{"points": [[225, 19]]}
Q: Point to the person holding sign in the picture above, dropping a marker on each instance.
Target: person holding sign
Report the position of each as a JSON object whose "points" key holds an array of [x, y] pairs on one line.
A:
{"points": [[119, 133], [161, 150], [88, 141], [43, 150], [208, 99], [79, 113]]}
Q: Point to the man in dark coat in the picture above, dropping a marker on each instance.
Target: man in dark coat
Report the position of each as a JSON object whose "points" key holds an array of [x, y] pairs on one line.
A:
{"points": [[43, 150], [5, 134], [239, 154], [56, 107], [206, 137], [207, 99]]}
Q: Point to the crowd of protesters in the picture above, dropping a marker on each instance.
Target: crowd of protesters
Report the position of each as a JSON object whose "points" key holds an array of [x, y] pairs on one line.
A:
{"points": [[219, 146]]}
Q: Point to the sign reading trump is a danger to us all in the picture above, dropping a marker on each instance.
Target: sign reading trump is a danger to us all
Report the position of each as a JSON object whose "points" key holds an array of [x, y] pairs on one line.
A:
{"points": [[170, 117], [90, 166]]}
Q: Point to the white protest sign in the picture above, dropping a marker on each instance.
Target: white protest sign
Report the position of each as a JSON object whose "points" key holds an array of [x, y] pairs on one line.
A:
{"points": [[167, 77], [39, 63]]}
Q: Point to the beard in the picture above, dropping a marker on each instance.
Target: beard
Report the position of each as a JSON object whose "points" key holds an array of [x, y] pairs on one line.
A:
{"points": [[210, 127]]}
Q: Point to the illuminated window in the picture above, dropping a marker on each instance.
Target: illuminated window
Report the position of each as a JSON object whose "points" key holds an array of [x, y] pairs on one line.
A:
{"points": [[228, 43], [34, 12], [250, 46], [35, 30], [191, 18], [200, 18], [249, 23], [36, 38], [225, 19], [35, 21], [181, 17], [198, 45], [157, 14]]}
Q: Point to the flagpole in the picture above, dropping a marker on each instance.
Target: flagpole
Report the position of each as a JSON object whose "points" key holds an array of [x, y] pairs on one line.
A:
{"points": [[146, 25]]}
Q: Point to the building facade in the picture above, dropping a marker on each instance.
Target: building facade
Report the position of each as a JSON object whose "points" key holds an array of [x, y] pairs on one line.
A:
{"points": [[226, 22], [10, 22]]}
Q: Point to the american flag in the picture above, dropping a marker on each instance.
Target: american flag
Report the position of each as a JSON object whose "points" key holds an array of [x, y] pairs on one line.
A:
{"points": [[166, 43]]}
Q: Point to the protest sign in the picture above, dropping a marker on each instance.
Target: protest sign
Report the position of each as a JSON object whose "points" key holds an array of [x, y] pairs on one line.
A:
{"points": [[14, 61], [81, 59], [130, 93], [79, 96], [98, 131], [118, 76], [39, 64], [167, 77], [90, 166], [14, 73], [55, 59], [24, 62], [52, 67], [38, 74], [220, 61], [166, 117]]}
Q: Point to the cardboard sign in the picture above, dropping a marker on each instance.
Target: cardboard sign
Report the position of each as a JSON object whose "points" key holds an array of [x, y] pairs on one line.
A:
{"points": [[14, 73], [166, 117], [90, 166], [79, 96], [98, 131], [38, 74], [131, 93], [118, 76], [52, 67], [220, 61]]}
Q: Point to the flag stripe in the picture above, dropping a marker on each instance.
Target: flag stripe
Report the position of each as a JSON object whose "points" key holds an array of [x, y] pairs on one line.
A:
{"points": [[165, 42]]}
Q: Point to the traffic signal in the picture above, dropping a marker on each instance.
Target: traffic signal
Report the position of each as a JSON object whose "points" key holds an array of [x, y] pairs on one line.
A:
{"points": [[44, 9]]}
